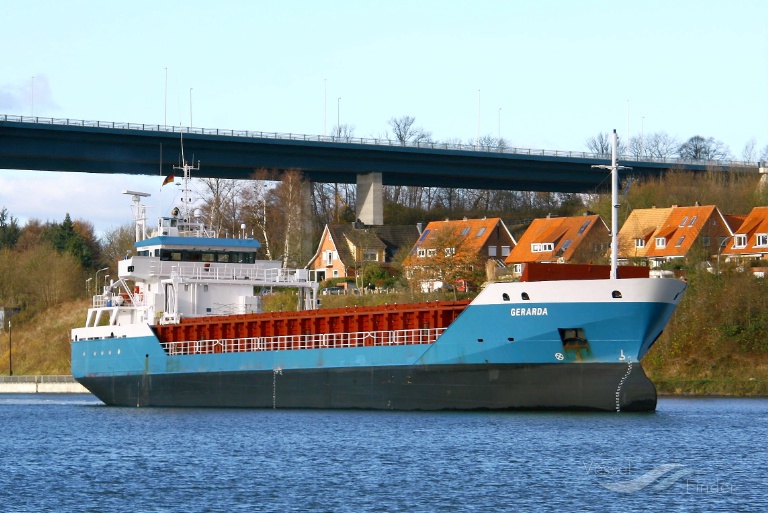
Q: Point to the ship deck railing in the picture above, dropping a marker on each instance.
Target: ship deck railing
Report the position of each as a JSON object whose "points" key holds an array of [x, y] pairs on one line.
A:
{"points": [[250, 273], [299, 342]]}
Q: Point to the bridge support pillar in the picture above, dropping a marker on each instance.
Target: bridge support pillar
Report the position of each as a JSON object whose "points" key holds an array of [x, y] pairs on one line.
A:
{"points": [[370, 199]]}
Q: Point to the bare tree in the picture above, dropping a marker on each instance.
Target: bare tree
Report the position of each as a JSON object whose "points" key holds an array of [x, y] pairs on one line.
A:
{"points": [[404, 131], [700, 148], [343, 132], [749, 153], [660, 145], [600, 144], [221, 204]]}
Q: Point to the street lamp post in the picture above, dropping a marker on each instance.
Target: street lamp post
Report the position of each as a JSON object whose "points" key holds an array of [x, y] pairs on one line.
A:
{"points": [[10, 351], [190, 107], [338, 117], [96, 281], [720, 249], [499, 124], [88, 286]]}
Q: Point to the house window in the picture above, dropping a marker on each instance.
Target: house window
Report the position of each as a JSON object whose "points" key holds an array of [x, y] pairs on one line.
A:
{"points": [[761, 239], [431, 252], [329, 258], [481, 231], [370, 255], [335, 273], [693, 220], [584, 226], [740, 241], [505, 251], [639, 243], [542, 247], [449, 252], [565, 245], [421, 252], [492, 251], [661, 242], [517, 268], [680, 241], [465, 231], [705, 241], [685, 220]]}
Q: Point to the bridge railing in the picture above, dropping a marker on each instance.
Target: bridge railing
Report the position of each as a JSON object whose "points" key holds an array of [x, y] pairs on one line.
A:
{"points": [[625, 159]]}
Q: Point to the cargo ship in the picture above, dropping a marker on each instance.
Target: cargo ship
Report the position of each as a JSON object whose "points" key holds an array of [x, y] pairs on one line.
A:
{"points": [[183, 327]]}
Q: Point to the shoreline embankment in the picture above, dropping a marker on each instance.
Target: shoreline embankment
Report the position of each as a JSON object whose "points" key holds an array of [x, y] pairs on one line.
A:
{"points": [[57, 384]]}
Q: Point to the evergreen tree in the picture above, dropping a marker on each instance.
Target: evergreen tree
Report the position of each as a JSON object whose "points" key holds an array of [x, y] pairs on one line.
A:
{"points": [[9, 229]]}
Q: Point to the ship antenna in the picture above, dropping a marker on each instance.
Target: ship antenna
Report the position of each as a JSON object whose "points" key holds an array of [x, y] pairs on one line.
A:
{"points": [[614, 167], [139, 213], [186, 192]]}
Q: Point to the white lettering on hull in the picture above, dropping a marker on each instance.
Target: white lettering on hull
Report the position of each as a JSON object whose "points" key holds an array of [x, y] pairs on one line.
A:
{"points": [[517, 312]]}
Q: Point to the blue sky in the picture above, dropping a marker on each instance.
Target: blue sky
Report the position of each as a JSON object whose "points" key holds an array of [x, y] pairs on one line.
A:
{"points": [[548, 74]]}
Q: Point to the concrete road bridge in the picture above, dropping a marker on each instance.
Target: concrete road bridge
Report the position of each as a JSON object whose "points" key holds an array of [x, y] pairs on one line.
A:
{"points": [[71, 145]]}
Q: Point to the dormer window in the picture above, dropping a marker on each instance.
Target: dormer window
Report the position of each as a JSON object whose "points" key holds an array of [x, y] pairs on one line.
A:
{"points": [[661, 242], [421, 252], [740, 241], [537, 247], [639, 243], [761, 239]]}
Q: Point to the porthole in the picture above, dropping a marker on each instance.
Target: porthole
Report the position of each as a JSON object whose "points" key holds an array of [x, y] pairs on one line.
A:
{"points": [[616, 294], [525, 297]]}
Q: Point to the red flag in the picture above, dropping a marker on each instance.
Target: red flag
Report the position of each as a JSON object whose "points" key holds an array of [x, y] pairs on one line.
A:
{"points": [[168, 179]]}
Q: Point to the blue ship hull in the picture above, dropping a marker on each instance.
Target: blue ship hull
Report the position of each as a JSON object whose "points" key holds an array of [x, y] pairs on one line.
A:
{"points": [[566, 351]]}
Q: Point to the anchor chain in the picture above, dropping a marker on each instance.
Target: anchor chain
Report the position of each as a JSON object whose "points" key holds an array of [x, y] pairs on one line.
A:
{"points": [[621, 383]]}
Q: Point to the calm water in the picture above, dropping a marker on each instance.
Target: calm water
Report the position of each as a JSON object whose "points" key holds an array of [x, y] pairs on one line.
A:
{"points": [[71, 453]]}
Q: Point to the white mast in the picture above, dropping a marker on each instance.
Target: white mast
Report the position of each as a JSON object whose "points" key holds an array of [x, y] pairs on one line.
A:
{"points": [[614, 167], [187, 168]]}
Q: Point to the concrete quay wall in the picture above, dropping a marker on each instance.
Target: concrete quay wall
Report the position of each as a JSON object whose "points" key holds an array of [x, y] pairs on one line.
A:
{"points": [[40, 385]]}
